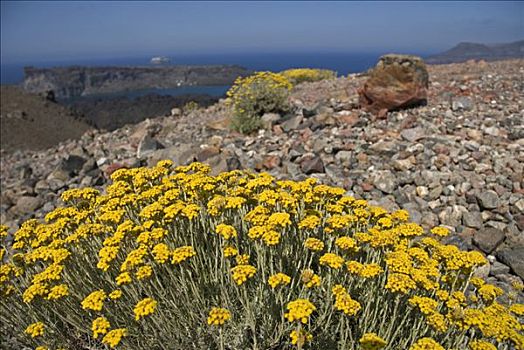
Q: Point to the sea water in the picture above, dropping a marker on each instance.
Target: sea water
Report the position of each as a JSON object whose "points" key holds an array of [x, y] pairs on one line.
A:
{"points": [[341, 62]]}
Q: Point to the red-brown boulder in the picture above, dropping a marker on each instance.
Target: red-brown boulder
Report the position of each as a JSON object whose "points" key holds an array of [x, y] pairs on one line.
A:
{"points": [[397, 81]]}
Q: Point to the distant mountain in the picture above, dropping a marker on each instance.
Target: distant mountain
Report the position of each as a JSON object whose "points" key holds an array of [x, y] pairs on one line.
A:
{"points": [[467, 51]]}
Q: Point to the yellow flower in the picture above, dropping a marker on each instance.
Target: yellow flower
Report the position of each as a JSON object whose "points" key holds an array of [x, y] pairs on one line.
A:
{"points": [[278, 279], [242, 259], [517, 309], [218, 316], [425, 305], [426, 344], [332, 260], [299, 338], [230, 251], [226, 231], [94, 301], [144, 308], [346, 243], [161, 253], [279, 219], [123, 278], [309, 222], [116, 294], [182, 253], [299, 310], [241, 273], [489, 292], [113, 337], [437, 321], [144, 272], [35, 329], [100, 326], [481, 345], [440, 231], [58, 292], [310, 278], [271, 237], [371, 341], [344, 302], [314, 244], [398, 282]]}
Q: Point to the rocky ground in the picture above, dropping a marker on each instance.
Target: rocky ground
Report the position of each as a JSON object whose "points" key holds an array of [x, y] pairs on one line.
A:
{"points": [[456, 162]]}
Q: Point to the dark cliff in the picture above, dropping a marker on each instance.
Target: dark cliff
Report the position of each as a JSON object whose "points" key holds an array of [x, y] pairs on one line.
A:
{"points": [[75, 81]]}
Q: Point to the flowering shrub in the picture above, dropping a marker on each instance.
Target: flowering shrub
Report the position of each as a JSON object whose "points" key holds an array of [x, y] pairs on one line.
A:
{"points": [[190, 107], [300, 75], [252, 96], [175, 258]]}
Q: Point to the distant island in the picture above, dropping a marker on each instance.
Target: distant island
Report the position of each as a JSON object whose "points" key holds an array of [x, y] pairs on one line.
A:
{"points": [[475, 51], [75, 81]]}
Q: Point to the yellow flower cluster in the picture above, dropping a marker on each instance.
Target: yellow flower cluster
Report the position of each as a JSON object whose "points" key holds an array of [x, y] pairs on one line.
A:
{"points": [[35, 329], [344, 302], [226, 231], [252, 96], [371, 341], [300, 337], [145, 307], [218, 316], [299, 75], [182, 254], [278, 279], [332, 260], [113, 337], [299, 310], [314, 244], [310, 278], [426, 344], [157, 247], [94, 301], [241, 273], [100, 326]]}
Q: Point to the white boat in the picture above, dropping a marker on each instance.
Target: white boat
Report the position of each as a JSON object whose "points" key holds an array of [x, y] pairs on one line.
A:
{"points": [[160, 60]]}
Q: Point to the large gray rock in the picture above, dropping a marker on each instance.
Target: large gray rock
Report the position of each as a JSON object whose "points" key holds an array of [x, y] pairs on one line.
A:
{"points": [[146, 146], [461, 103], [72, 164], [26, 205], [514, 258], [488, 199], [385, 181], [488, 239], [413, 134], [180, 155], [472, 219]]}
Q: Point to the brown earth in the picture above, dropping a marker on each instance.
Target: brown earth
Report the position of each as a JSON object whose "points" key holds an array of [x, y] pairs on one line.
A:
{"points": [[31, 122]]}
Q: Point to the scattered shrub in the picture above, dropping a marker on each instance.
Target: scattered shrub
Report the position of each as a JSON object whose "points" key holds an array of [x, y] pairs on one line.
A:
{"points": [[251, 97], [190, 107], [173, 258], [300, 75]]}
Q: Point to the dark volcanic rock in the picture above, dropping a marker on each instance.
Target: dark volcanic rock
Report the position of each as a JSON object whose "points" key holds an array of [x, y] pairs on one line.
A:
{"points": [[311, 165], [514, 258], [398, 81], [488, 239]]}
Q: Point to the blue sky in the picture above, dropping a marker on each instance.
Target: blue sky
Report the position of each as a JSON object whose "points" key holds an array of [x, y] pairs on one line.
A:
{"points": [[68, 30]]}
